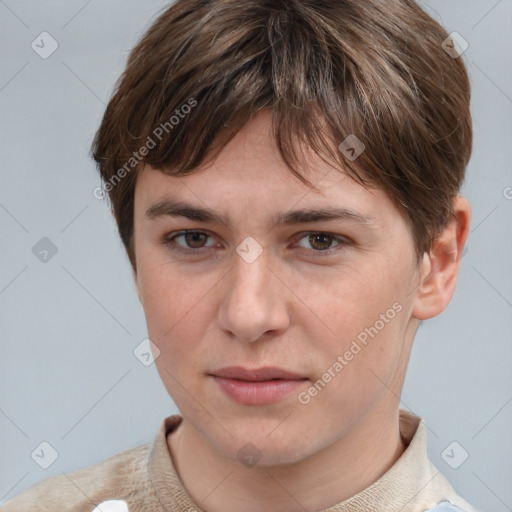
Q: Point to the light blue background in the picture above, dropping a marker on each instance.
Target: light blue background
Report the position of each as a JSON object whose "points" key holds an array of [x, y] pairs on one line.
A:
{"points": [[68, 375]]}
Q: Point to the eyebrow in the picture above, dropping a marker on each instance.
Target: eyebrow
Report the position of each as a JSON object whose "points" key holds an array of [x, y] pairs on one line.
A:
{"points": [[168, 207]]}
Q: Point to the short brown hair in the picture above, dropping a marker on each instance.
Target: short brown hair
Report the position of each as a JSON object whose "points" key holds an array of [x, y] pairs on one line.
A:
{"points": [[327, 69]]}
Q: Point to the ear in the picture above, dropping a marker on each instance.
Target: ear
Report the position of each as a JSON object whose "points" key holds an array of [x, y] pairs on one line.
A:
{"points": [[440, 266]]}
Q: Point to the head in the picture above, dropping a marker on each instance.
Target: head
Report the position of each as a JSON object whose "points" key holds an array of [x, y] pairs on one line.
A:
{"points": [[235, 120]]}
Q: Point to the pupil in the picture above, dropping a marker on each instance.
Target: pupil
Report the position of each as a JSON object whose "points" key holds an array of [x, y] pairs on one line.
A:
{"points": [[193, 238], [314, 238]]}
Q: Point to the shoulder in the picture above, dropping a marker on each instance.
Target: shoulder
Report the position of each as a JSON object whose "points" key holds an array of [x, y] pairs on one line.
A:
{"points": [[116, 477]]}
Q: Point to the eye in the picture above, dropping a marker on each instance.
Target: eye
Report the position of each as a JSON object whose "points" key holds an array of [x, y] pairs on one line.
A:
{"points": [[194, 241], [322, 243]]}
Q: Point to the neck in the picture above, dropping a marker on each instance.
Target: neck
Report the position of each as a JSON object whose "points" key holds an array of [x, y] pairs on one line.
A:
{"points": [[335, 474]]}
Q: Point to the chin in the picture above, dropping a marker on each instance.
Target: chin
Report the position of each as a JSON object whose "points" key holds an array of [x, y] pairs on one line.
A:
{"points": [[264, 449]]}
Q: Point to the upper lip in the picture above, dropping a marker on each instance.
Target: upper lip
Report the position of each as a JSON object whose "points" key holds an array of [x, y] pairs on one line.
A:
{"points": [[256, 374]]}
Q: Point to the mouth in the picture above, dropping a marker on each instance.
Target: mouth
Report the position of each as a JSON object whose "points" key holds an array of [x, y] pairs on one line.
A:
{"points": [[260, 386]]}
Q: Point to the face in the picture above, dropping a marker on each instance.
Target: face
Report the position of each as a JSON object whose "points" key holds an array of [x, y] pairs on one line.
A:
{"points": [[327, 298]]}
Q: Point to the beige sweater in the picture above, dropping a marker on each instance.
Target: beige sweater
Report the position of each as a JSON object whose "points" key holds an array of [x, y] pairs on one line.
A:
{"points": [[146, 479]]}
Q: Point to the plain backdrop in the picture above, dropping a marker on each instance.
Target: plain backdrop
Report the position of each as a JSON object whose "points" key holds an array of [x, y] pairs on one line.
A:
{"points": [[69, 325]]}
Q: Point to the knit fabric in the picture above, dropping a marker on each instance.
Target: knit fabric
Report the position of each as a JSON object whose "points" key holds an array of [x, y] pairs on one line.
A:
{"points": [[145, 479]]}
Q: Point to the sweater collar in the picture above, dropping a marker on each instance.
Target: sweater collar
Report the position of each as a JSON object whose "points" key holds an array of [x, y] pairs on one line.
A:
{"points": [[396, 488]]}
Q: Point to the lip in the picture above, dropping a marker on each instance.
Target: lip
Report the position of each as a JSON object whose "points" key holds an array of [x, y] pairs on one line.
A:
{"points": [[258, 374], [259, 386]]}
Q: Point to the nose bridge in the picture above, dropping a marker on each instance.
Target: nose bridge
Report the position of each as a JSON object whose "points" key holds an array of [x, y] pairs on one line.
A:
{"points": [[252, 305], [250, 280]]}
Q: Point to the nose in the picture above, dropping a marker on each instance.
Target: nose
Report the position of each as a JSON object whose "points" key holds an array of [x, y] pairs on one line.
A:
{"points": [[254, 302]]}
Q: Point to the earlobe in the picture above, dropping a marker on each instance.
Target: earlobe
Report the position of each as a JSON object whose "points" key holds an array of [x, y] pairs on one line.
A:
{"points": [[440, 266]]}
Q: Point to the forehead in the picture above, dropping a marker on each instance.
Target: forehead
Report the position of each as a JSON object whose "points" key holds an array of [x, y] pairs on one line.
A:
{"points": [[249, 174]]}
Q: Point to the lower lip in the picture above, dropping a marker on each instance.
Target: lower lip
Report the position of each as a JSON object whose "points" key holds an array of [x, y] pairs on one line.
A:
{"points": [[257, 393]]}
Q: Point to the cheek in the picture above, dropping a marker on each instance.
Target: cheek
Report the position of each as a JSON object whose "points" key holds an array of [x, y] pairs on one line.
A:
{"points": [[347, 302], [356, 369], [167, 294], [362, 321], [177, 315]]}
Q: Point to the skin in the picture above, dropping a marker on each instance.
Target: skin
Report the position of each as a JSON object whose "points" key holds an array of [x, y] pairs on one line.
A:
{"points": [[213, 309]]}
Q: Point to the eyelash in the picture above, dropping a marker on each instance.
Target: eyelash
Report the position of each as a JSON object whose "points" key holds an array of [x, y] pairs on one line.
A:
{"points": [[169, 241]]}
